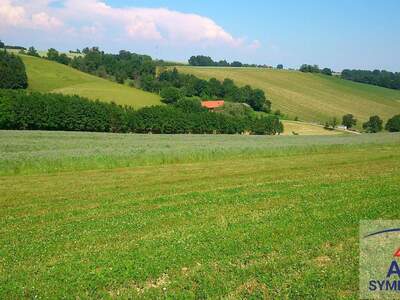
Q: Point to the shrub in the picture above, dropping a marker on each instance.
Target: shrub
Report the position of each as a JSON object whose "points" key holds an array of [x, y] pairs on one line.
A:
{"points": [[170, 95], [32, 52], [326, 71], [373, 125], [190, 105], [331, 124], [349, 121], [235, 109], [12, 72], [393, 124], [309, 68], [267, 125]]}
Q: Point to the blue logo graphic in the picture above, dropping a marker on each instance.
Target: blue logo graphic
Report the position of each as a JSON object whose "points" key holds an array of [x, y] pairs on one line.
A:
{"points": [[392, 280]]}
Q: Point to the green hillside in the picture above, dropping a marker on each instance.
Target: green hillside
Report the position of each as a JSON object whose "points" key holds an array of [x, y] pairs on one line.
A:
{"points": [[48, 76], [310, 97]]}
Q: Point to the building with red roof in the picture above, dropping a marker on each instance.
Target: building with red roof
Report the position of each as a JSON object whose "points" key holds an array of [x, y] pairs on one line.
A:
{"points": [[212, 104]]}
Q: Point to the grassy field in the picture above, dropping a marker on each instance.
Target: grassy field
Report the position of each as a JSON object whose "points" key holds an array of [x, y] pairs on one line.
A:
{"points": [[311, 97], [47, 76], [148, 216]]}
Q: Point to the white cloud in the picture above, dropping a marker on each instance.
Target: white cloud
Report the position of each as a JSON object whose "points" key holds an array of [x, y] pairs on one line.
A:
{"points": [[43, 21], [89, 18], [16, 15], [11, 14]]}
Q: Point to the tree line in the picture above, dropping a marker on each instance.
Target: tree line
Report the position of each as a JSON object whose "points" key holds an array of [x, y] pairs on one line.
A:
{"points": [[36, 111], [377, 77], [206, 61], [119, 67], [315, 69], [11, 47], [373, 125]]}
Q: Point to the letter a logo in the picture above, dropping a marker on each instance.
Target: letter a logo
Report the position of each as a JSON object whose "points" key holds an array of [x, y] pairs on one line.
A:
{"points": [[393, 269]]}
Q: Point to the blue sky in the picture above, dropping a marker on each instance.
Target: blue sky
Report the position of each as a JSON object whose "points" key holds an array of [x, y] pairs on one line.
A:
{"points": [[338, 34]]}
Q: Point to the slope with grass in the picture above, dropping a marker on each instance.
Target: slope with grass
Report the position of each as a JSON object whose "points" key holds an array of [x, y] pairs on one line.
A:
{"points": [[281, 222], [48, 76], [311, 97]]}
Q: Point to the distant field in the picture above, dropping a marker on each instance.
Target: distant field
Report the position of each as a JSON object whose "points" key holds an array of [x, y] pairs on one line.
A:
{"points": [[71, 55], [311, 97], [302, 128], [47, 76], [148, 216]]}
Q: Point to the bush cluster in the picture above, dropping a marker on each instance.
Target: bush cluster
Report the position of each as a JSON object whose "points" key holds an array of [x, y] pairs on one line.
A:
{"points": [[315, 69], [37, 111], [393, 124], [12, 72]]}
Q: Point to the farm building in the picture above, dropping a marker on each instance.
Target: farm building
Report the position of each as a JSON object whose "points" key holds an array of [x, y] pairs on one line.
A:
{"points": [[212, 104]]}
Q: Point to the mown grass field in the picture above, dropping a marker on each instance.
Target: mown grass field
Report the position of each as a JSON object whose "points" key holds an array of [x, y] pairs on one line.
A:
{"points": [[147, 216], [48, 76], [302, 128], [311, 97]]}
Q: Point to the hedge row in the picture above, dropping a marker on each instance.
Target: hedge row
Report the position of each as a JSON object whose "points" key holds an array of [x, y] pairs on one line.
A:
{"points": [[37, 111]]}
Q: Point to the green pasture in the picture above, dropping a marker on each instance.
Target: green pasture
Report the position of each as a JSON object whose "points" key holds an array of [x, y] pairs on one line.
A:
{"points": [[92, 215], [48, 76]]}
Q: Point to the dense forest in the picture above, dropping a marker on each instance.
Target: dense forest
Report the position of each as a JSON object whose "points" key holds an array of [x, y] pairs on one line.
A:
{"points": [[37, 111], [380, 78]]}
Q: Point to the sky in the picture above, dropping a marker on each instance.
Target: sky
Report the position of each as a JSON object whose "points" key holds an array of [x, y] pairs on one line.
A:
{"points": [[339, 34]]}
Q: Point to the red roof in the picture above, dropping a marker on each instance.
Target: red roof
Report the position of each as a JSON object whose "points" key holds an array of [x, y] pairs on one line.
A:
{"points": [[212, 104]]}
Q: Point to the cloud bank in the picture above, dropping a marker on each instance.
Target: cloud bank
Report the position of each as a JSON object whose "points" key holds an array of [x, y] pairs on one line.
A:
{"points": [[94, 20]]}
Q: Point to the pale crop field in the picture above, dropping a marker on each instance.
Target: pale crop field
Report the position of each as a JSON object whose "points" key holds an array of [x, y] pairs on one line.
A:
{"points": [[301, 128], [91, 215], [310, 97]]}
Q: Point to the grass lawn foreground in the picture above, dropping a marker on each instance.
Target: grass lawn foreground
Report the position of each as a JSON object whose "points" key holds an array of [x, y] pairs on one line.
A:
{"points": [[277, 218]]}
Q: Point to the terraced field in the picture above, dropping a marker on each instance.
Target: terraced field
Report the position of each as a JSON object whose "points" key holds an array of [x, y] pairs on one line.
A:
{"points": [[311, 97]]}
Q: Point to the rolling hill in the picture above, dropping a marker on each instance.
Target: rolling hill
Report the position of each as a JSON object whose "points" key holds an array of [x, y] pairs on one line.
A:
{"points": [[310, 97], [48, 76]]}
